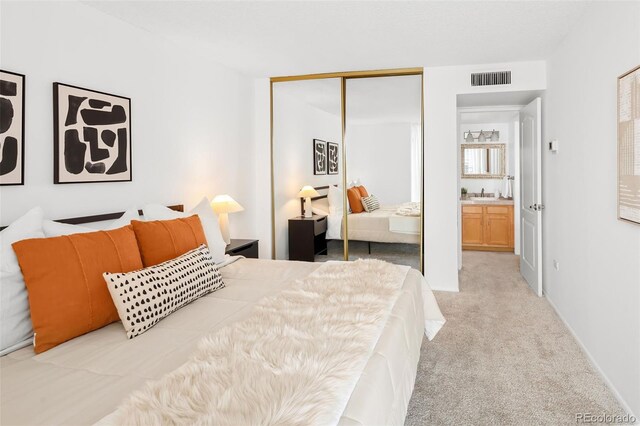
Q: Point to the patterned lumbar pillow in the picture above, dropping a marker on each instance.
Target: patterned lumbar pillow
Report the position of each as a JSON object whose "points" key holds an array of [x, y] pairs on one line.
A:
{"points": [[370, 203], [145, 296]]}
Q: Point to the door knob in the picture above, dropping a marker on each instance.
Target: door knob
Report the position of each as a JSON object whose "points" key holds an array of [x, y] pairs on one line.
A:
{"points": [[537, 207]]}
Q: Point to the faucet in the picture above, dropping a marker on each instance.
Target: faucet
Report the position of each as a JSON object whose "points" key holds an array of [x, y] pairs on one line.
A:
{"points": [[482, 193]]}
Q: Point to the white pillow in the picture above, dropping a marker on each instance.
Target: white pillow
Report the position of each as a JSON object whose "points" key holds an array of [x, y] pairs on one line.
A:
{"points": [[336, 200], [320, 207], [208, 218], [16, 330]]}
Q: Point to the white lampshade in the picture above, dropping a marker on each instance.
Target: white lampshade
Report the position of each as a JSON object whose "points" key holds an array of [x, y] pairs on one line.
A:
{"points": [[225, 204], [308, 191]]}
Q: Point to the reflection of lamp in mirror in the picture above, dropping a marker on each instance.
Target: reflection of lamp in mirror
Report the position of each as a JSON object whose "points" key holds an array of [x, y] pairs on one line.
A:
{"points": [[495, 136], [223, 205], [469, 137], [306, 193], [482, 137]]}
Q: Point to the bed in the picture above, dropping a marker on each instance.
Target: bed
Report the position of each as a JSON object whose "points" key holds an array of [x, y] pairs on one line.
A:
{"points": [[388, 224], [84, 380]]}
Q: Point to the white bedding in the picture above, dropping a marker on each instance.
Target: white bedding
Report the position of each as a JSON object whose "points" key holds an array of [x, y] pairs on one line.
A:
{"points": [[84, 380], [384, 225]]}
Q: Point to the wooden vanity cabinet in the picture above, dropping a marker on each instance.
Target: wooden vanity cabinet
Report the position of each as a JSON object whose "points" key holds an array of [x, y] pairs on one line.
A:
{"points": [[487, 227]]}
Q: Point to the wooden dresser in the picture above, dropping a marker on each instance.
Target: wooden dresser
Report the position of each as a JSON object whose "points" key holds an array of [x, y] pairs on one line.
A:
{"points": [[487, 227]]}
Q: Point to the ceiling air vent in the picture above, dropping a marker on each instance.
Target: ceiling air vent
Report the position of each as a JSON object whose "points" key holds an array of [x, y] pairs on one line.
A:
{"points": [[490, 78]]}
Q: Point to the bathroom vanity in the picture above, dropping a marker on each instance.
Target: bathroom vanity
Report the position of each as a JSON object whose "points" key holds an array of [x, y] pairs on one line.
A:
{"points": [[487, 224]]}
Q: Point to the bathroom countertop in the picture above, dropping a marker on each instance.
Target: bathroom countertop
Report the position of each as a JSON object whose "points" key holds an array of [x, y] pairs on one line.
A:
{"points": [[499, 201]]}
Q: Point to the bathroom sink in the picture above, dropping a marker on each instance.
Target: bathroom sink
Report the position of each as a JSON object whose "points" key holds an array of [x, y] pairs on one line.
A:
{"points": [[483, 198]]}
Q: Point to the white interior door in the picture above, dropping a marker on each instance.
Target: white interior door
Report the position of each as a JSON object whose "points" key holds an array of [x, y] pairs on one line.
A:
{"points": [[531, 195]]}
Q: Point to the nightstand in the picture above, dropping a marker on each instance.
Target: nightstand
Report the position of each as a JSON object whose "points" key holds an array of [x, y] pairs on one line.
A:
{"points": [[246, 248], [307, 237]]}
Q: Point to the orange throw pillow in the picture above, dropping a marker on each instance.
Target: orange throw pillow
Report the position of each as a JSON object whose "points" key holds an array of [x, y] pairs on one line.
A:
{"points": [[355, 202], [67, 294], [363, 191], [162, 240]]}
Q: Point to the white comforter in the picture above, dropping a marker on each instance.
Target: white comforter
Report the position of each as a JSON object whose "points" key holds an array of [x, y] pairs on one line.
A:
{"points": [[85, 379]]}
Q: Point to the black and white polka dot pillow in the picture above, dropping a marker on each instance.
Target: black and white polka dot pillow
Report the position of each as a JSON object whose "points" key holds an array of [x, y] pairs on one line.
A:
{"points": [[145, 296]]}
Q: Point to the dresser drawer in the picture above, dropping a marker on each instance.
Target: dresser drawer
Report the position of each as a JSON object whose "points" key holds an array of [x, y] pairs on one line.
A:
{"points": [[320, 226]]}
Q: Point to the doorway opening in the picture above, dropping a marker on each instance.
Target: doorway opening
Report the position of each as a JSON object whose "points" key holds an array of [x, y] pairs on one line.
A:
{"points": [[499, 178]]}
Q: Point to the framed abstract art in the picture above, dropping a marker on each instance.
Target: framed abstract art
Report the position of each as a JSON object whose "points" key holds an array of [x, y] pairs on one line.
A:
{"points": [[11, 128], [92, 136], [319, 157], [332, 156], [629, 146]]}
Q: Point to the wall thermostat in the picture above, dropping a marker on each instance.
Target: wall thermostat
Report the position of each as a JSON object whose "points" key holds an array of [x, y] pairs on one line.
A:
{"points": [[553, 145]]}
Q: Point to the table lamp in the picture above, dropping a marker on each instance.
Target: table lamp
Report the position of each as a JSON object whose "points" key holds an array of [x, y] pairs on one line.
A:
{"points": [[306, 193], [223, 205]]}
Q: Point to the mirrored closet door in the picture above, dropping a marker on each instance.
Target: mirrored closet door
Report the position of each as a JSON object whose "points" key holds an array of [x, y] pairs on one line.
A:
{"points": [[307, 174], [347, 166], [383, 142]]}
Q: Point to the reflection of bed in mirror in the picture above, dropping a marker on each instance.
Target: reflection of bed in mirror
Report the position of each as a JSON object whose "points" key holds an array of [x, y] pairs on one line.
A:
{"points": [[397, 223]]}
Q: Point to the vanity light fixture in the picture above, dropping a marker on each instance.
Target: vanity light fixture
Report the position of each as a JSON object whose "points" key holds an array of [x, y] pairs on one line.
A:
{"points": [[469, 137], [482, 137], [495, 136]]}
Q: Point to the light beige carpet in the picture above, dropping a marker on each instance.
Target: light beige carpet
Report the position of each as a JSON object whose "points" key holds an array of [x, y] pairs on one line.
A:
{"points": [[504, 357]]}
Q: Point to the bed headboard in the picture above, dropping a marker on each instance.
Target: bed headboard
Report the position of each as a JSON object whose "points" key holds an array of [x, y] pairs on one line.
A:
{"points": [[320, 188], [102, 217]]}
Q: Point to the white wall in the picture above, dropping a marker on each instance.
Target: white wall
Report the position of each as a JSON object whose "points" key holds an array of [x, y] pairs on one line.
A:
{"points": [[597, 288], [191, 118], [295, 125], [380, 156], [442, 213]]}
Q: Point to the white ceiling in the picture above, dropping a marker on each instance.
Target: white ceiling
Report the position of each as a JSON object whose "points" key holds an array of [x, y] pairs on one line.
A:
{"points": [[369, 100], [274, 38]]}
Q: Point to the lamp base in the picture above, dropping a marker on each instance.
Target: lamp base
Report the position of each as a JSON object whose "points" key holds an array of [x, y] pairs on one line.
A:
{"points": [[307, 207], [223, 221]]}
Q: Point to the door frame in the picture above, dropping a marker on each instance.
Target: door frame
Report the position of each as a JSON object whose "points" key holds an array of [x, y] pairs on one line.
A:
{"points": [[344, 76], [515, 109]]}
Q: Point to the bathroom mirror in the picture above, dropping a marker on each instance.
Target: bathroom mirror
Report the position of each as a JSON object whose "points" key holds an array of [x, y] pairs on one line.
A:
{"points": [[483, 161]]}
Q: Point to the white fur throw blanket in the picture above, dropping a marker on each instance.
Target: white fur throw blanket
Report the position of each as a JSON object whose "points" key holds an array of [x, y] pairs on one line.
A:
{"points": [[294, 360]]}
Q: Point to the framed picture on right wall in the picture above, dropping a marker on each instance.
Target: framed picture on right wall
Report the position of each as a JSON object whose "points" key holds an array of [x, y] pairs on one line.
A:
{"points": [[629, 146]]}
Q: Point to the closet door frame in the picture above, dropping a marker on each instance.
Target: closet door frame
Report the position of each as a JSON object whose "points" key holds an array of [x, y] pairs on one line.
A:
{"points": [[344, 76]]}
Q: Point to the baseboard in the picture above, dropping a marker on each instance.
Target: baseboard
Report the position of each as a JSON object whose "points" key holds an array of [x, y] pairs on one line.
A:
{"points": [[593, 362]]}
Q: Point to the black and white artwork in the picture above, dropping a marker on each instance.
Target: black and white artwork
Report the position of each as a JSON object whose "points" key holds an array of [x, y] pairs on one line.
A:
{"points": [[332, 156], [11, 128], [319, 157], [92, 136]]}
